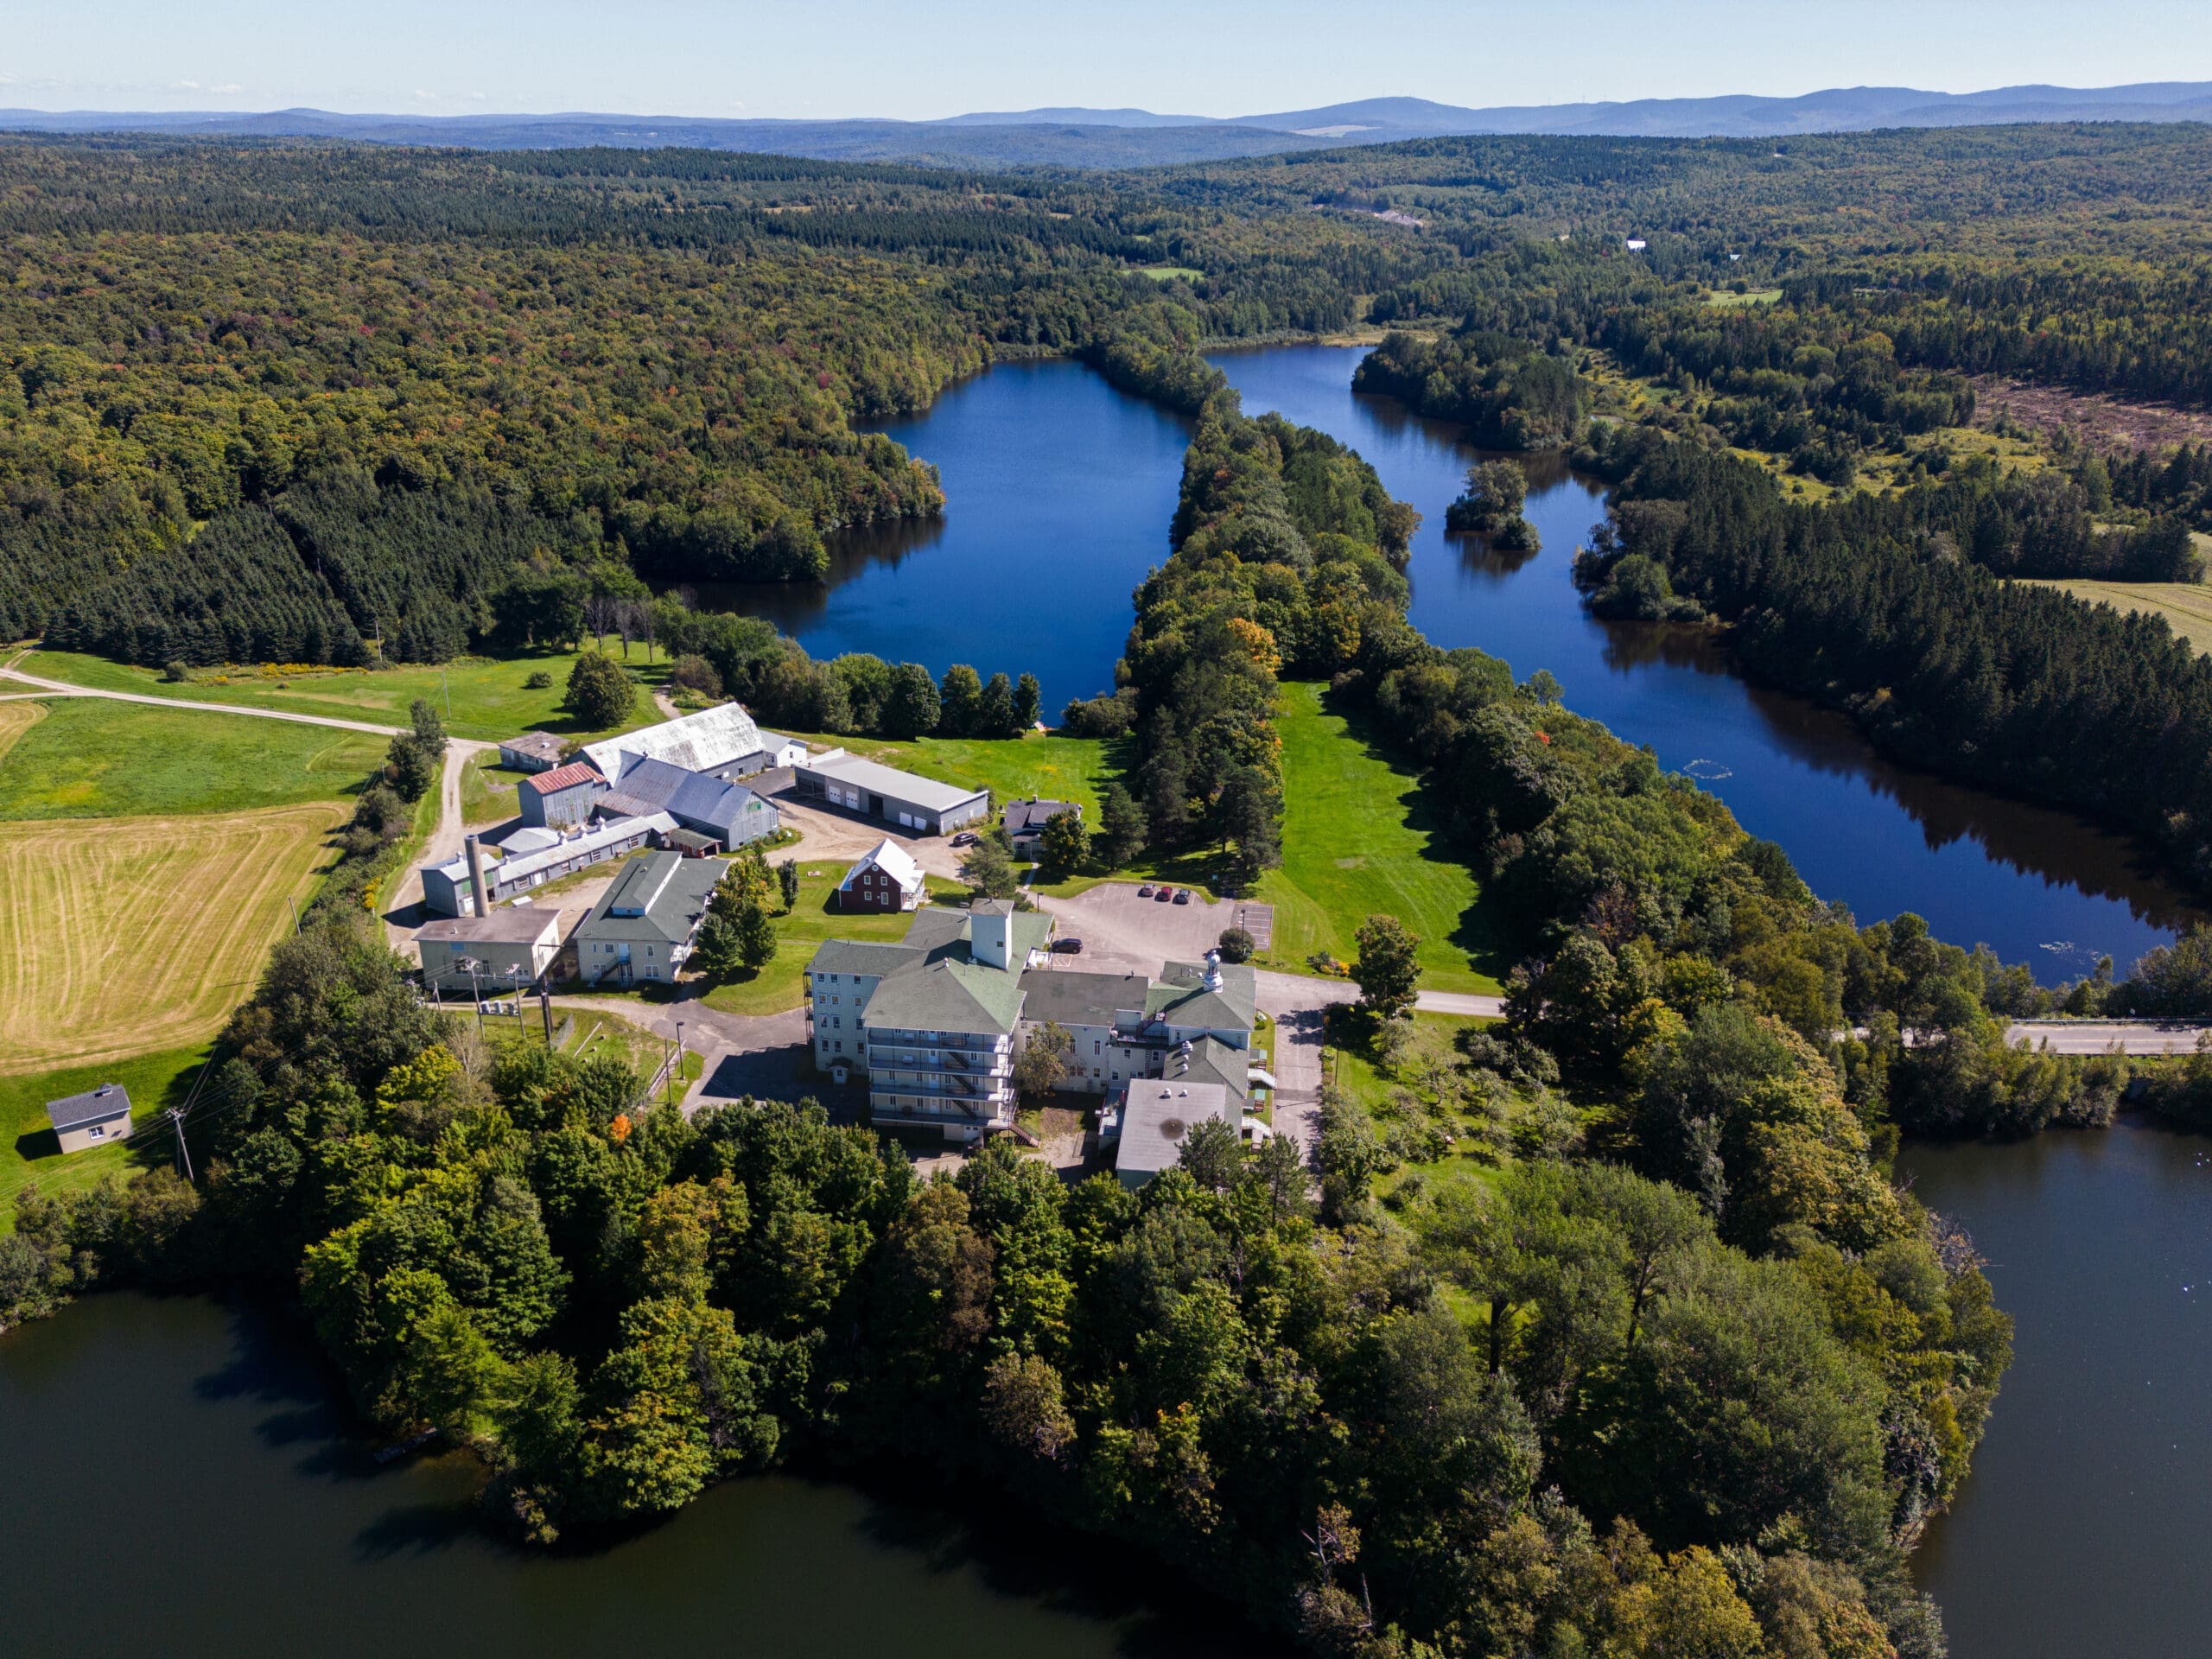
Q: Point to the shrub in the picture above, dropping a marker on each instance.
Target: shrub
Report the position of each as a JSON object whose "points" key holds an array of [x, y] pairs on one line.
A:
{"points": [[1236, 944], [694, 673], [540, 680], [176, 673]]}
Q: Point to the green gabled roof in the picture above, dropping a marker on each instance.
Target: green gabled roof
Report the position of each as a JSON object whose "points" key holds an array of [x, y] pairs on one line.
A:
{"points": [[1182, 999], [861, 957], [947, 996]]}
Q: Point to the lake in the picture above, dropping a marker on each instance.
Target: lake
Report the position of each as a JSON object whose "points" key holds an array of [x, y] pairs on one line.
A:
{"points": [[1059, 490], [2081, 1530], [180, 1480]]}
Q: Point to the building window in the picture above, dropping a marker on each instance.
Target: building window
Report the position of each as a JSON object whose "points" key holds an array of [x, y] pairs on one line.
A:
{"points": [[840, 1047]]}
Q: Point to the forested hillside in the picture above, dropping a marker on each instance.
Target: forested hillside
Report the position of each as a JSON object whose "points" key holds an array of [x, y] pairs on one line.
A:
{"points": [[648, 358]]}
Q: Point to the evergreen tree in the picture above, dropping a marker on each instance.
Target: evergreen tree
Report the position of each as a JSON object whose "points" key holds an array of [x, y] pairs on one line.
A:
{"points": [[756, 934], [1029, 700], [961, 698], [1121, 827], [994, 715]]}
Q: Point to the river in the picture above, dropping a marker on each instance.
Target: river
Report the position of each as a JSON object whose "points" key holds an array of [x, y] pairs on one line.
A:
{"points": [[1059, 490], [180, 1480]]}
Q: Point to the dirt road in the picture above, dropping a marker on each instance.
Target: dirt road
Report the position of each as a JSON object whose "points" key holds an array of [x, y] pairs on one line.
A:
{"points": [[62, 688]]}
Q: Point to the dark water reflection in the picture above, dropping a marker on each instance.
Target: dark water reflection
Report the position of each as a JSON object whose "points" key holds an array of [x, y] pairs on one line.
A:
{"points": [[1059, 492], [179, 1477], [2042, 886], [2082, 1527]]}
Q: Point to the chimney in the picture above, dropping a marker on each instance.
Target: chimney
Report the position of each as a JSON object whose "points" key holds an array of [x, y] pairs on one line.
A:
{"points": [[990, 934], [476, 877]]}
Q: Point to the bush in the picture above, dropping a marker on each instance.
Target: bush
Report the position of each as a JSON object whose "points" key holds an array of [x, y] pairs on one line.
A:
{"points": [[176, 673], [694, 673], [1236, 944], [1102, 716], [540, 680]]}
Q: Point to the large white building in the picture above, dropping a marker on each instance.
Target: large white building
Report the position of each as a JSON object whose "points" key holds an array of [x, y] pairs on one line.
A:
{"points": [[934, 1022]]}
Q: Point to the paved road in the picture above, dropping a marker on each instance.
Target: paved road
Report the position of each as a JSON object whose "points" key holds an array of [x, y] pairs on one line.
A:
{"points": [[2097, 1036]]}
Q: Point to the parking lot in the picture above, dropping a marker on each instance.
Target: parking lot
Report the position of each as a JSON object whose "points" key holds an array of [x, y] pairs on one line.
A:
{"points": [[1119, 930]]}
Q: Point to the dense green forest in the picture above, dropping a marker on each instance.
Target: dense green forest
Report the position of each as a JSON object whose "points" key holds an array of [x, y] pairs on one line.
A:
{"points": [[649, 359]]}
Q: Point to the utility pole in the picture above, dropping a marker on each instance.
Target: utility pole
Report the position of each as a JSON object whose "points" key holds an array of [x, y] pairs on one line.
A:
{"points": [[676, 1074], [296, 913], [176, 1118], [475, 991], [545, 1007]]}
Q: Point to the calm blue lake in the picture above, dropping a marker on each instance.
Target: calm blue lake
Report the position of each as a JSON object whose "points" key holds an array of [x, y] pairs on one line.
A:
{"points": [[1059, 490]]}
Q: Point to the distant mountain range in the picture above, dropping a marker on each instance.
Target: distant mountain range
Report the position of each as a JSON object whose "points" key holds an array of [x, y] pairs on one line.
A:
{"points": [[1087, 137]]}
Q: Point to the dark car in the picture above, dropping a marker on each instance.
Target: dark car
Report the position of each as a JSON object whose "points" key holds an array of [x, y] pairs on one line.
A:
{"points": [[1182, 895], [1144, 891], [1068, 947], [1164, 895], [965, 838]]}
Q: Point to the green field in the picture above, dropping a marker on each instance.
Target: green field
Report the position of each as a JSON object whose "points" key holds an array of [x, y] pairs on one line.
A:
{"points": [[92, 758], [1169, 273], [485, 696], [488, 789], [2187, 606], [1359, 840], [1724, 302], [29, 1151], [779, 985]]}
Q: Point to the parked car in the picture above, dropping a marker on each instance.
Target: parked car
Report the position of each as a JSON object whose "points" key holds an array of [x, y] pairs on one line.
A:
{"points": [[1144, 891], [1182, 895], [1068, 947], [965, 838], [1164, 895]]}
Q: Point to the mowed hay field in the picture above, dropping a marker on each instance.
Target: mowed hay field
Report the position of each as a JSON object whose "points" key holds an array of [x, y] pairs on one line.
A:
{"points": [[146, 858], [122, 935]]}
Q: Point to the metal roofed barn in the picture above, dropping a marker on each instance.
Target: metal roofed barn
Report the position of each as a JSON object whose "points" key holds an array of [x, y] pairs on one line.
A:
{"points": [[922, 805]]}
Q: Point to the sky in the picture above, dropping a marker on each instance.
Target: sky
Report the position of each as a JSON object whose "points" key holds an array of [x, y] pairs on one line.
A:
{"points": [[821, 59]]}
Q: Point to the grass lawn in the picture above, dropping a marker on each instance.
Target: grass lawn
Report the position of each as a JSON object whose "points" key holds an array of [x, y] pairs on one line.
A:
{"points": [[89, 758], [1722, 301], [779, 986], [485, 696], [2187, 606], [1169, 273], [29, 1151], [1358, 840], [488, 789], [1354, 1071]]}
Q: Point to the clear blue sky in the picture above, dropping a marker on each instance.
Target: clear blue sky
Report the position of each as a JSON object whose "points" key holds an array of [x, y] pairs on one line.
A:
{"points": [[823, 58]]}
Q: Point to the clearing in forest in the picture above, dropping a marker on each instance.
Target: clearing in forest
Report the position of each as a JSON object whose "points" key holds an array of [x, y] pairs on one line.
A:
{"points": [[124, 935], [1358, 839]]}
